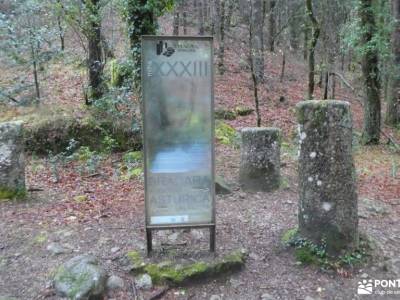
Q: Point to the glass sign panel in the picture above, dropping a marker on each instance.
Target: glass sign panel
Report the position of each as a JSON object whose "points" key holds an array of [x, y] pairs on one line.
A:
{"points": [[177, 75]]}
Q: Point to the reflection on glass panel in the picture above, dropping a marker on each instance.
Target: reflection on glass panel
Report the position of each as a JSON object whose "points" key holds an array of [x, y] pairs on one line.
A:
{"points": [[178, 131]]}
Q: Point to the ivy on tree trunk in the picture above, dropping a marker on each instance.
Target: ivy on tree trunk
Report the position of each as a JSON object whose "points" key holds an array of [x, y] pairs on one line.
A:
{"points": [[370, 72]]}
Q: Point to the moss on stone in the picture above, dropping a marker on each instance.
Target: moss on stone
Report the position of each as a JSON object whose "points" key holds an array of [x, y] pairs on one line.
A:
{"points": [[74, 282], [176, 274], [136, 260], [225, 114], [243, 110], [8, 193], [289, 236]]}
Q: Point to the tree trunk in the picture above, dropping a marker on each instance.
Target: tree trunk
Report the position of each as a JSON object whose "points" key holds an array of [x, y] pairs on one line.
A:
{"points": [[254, 76], [305, 44], [393, 105], [221, 50], [35, 73], [61, 32], [311, 50], [257, 42], [283, 65], [200, 13], [370, 71], [271, 25], [176, 22], [140, 21], [184, 21], [95, 64]]}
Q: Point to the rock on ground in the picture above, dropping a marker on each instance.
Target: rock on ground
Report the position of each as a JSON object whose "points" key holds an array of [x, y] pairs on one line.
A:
{"points": [[80, 278], [328, 196], [260, 159], [115, 283], [144, 282], [12, 161]]}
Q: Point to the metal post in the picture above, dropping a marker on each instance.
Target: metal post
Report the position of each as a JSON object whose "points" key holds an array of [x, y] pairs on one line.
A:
{"points": [[149, 239], [212, 238]]}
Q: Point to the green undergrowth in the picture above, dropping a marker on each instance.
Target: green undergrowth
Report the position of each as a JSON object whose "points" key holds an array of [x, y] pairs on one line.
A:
{"points": [[309, 253], [176, 274], [226, 134], [232, 114], [7, 193]]}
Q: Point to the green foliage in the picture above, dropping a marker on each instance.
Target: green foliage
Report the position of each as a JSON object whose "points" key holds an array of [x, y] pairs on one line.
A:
{"points": [[131, 166], [26, 41], [140, 18], [226, 134], [353, 32], [8, 193], [307, 252]]}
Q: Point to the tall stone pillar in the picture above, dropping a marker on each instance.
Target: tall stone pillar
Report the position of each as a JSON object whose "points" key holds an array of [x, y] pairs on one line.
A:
{"points": [[260, 159], [12, 165], [327, 185]]}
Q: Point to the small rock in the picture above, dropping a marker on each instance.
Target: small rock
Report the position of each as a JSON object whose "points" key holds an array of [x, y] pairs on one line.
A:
{"points": [[364, 275], [196, 234], [56, 248], [144, 282], [80, 278], [221, 187], [235, 283], [173, 237], [115, 249], [115, 283], [267, 296], [393, 266], [254, 256]]}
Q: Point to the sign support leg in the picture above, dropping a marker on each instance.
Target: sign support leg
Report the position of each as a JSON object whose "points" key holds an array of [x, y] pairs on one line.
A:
{"points": [[212, 238], [149, 239]]}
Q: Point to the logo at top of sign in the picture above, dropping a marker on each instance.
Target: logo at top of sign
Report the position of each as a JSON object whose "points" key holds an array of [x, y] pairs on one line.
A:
{"points": [[162, 48]]}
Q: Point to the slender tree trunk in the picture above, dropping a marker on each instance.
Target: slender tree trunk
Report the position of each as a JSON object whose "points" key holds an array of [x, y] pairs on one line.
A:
{"points": [[283, 65], [370, 71], [305, 44], [35, 73], [176, 22], [61, 32], [257, 43], [221, 50], [311, 50], [326, 84], [333, 86], [254, 76], [393, 104], [184, 21], [200, 13], [271, 25]]}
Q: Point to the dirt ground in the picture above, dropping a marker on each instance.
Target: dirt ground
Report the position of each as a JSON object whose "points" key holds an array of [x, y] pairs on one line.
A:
{"points": [[254, 222], [110, 220]]}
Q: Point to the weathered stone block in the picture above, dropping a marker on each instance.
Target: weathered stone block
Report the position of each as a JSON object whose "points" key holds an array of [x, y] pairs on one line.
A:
{"points": [[328, 197], [12, 165], [260, 159]]}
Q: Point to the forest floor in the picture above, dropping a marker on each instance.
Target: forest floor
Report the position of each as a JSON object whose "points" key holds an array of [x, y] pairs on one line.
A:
{"points": [[108, 219]]}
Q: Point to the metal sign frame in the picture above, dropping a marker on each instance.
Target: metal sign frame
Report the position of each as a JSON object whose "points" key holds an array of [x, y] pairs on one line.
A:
{"points": [[211, 226]]}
